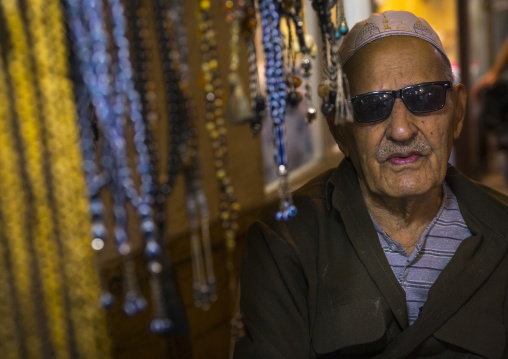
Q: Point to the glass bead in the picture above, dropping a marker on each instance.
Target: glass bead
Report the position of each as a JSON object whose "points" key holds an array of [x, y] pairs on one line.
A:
{"points": [[124, 248], [96, 208], [213, 64], [293, 98], [235, 206], [120, 235], [204, 5], [160, 326], [152, 249], [129, 308], [148, 227], [99, 230], [311, 114], [107, 300], [326, 108], [260, 103], [230, 243], [220, 174], [323, 90], [292, 211], [228, 5], [297, 81], [225, 215], [97, 244], [155, 267]]}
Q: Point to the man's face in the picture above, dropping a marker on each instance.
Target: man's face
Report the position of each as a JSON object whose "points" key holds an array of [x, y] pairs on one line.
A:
{"points": [[405, 155]]}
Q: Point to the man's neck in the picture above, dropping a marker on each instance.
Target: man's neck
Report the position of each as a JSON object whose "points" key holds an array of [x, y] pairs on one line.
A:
{"points": [[404, 219]]}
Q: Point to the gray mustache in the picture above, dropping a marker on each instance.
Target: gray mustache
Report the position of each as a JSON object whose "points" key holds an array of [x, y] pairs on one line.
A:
{"points": [[413, 145]]}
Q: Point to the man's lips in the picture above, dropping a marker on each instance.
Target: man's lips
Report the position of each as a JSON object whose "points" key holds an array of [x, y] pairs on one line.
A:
{"points": [[404, 158]]}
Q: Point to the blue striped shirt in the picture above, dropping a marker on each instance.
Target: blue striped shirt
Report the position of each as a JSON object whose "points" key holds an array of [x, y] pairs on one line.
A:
{"points": [[417, 272]]}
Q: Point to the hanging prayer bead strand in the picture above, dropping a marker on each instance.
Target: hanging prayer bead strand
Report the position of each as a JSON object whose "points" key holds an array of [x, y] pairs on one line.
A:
{"points": [[178, 143], [237, 107], [333, 88], [173, 46], [15, 208], [146, 82], [215, 123], [45, 227], [257, 100], [190, 160], [143, 64], [340, 20], [276, 93], [44, 125], [344, 111], [93, 38], [160, 324]]}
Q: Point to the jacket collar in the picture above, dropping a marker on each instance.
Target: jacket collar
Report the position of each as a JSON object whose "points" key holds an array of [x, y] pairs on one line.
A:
{"points": [[346, 197], [485, 213]]}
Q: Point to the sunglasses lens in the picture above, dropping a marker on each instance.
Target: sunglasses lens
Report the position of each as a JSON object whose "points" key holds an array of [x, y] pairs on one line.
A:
{"points": [[425, 98], [374, 107]]}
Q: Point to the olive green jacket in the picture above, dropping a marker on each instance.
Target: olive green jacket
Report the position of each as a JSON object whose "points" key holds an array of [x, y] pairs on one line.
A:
{"points": [[320, 285]]}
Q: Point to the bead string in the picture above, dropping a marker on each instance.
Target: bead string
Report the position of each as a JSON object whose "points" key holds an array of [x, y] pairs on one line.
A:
{"points": [[215, 123], [144, 62], [237, 109], [174, 50], [21, 68], [195, 195], [110, 84], [343, 109], [276, 93], [257, 101], [305, 47], [15, 202], [333, 88]]}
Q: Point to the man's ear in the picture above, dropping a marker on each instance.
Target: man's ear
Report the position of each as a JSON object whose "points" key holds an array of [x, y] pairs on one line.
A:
{"points": [[337, 132], [460, 102]]}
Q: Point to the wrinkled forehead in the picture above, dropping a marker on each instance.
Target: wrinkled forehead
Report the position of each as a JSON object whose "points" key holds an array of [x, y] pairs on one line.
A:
{"points": [[397, 60]]}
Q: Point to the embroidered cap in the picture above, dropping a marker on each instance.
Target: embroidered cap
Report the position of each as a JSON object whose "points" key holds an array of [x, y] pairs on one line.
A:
{"points": [[388, 23]]}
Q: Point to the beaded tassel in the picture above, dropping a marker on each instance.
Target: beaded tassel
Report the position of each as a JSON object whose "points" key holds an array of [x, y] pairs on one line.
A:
{"points": [[343, 109], [333, 88], [276, 92]]}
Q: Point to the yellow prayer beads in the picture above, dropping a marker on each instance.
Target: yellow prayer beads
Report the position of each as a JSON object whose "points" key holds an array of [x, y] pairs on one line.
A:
{"points": [[43, 207]]}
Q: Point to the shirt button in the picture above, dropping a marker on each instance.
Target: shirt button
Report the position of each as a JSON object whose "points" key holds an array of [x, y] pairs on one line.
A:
{"points": [[393, 247]]}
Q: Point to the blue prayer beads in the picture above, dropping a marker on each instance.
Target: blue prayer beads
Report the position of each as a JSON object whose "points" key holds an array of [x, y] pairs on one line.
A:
{"points": [[276, 89]]}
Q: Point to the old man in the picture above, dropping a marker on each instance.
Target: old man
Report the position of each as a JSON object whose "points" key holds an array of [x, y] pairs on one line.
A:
{"points": [[395, 253]]}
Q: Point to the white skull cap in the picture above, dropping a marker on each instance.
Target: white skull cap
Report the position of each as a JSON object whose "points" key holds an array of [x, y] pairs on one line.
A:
{"points": [[388, 23]]}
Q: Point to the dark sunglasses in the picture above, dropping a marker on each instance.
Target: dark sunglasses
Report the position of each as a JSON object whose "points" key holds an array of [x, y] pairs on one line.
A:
{"points": [[421, 98]]}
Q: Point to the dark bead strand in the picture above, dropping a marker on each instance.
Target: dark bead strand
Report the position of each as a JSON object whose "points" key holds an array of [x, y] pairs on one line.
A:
{"points": [[180, 127], [257, 101], [197, 206], [143, 77]]}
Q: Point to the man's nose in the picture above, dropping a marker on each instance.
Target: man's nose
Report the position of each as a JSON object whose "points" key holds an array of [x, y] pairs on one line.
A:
{"points": [[401, 126]]}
